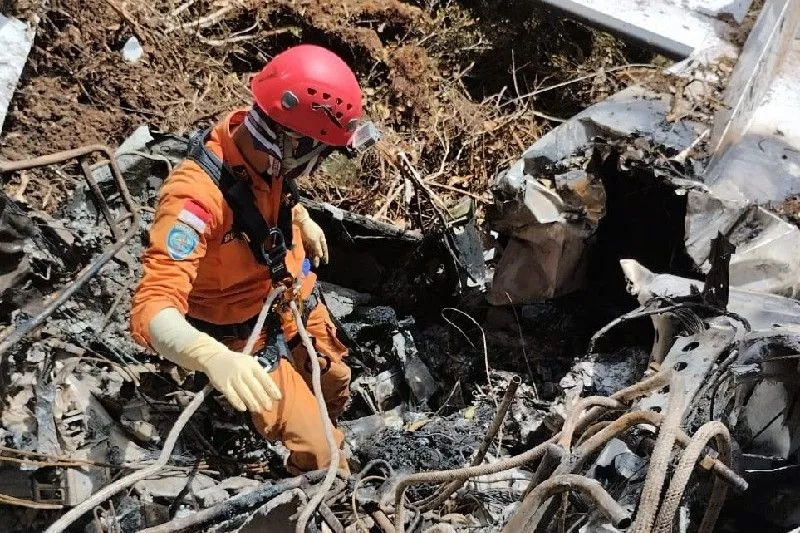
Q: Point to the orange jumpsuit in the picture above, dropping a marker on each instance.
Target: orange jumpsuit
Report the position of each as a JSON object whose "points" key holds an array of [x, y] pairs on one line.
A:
{"points": [[216, 279]]}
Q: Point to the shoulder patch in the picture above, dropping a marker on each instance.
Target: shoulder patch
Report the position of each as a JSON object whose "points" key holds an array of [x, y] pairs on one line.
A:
{"points": [[195, 215], [181, 241]]}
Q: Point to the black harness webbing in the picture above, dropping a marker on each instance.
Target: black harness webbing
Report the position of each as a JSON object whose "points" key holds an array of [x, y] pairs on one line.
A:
{"points": [[268, 244]]}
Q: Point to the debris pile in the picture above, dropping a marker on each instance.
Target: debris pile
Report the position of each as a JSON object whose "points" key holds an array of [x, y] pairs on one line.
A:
{"points": [[591, 339]]}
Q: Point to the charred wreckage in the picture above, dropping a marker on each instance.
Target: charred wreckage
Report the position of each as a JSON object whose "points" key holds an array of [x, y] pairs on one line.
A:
{"points": [[614, 347]]}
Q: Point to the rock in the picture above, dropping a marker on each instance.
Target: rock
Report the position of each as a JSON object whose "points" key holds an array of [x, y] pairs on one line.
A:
{"points": [[211, 496], [171, 486], [341, 301], [238, 484], [132, 51]]}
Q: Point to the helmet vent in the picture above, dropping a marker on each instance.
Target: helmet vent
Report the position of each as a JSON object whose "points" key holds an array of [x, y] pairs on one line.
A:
{"points": [[312, 91], [325, 96], [289, 100], [323, 132], [338, 101], [349, 107]]}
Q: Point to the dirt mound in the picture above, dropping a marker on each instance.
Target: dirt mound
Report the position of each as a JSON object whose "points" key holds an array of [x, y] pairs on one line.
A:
{"points": [[446, 81]]}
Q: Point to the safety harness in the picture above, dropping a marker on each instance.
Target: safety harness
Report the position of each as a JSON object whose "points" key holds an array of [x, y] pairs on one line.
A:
{"points": [[268, 243]]}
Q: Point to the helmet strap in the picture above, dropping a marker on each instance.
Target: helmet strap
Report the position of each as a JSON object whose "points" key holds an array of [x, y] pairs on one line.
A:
{"points": [[298, 161]]}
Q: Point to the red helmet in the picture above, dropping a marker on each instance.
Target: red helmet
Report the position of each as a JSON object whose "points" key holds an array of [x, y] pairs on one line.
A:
{"points": [[312, 91]]}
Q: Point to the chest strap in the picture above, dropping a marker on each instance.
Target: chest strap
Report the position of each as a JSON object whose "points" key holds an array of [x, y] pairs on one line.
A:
{"points": [[267, 243]]}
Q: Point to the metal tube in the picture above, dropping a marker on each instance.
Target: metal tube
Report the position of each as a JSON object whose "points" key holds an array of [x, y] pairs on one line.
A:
{"points": [[441, 476], [87, 172], [552, 459], [382, 520], [51, 159], [708, 461], [521, 521], [655, 382], [330, 518], [574, 415]]}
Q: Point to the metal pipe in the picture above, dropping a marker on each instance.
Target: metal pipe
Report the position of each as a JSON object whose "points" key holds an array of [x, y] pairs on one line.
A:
{"points": [[51, 159], [657, 381], [494, 427], [593, 430], [383, 521], [571, 422], [441, 476], [707, 461], [87, 172], [626, 395], [330, 518], [612, 429], [553, 458], [522, 520]]}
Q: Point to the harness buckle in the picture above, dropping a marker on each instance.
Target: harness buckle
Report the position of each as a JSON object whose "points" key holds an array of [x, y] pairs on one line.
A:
{"points": [[273, 253]]}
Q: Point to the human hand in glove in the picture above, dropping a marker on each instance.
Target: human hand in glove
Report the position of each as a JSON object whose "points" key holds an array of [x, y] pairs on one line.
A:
{"points": [[243, 381], [313, 237]]}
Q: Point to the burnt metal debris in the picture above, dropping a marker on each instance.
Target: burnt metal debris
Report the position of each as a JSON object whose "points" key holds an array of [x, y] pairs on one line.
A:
{"points": [[440, 438], [15, 333], [607, 345]]}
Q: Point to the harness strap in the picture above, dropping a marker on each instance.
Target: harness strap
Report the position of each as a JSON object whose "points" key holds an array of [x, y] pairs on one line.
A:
{"points": [[276, 346], [242, 330], [268, 244]]}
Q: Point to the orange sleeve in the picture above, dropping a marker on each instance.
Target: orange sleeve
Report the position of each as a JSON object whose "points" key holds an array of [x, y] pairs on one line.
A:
{"points": [[189, 213]]}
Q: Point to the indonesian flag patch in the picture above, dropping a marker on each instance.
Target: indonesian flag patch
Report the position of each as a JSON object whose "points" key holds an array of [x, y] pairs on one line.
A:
{"points": [[195, 216]]}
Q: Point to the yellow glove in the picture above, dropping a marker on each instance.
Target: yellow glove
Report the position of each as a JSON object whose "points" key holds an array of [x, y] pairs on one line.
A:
{"points": [[244, 382], [313, 237]]}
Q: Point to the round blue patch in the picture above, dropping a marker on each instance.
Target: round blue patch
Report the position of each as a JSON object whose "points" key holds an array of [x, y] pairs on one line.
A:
{"points": [[181, 241]]}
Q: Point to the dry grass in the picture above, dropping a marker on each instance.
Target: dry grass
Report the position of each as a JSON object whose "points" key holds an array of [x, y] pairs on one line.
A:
{"points": [[443, 80]]}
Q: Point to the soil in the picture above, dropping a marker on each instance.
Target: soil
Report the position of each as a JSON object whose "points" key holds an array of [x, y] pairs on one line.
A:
{"points": [[442, 80]]}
